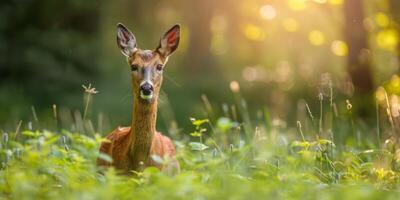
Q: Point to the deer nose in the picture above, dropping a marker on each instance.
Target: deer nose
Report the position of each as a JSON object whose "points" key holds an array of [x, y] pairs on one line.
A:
{"points": [[146, 88]]}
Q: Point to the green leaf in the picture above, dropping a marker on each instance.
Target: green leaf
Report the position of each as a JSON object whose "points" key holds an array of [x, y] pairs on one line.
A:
{"points": [[198, 122], [31, 133], [300, 144], [196, 134], [105, 157], [224, 124], [151, 171], [203, 130], [324, 142], [197, 146]]}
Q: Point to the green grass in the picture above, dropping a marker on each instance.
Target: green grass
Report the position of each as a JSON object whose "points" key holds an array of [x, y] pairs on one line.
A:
{"points": [[225, 158]]}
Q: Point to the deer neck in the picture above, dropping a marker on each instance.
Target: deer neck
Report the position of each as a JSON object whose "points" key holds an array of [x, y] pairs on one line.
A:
{"points": [[143, 128]]}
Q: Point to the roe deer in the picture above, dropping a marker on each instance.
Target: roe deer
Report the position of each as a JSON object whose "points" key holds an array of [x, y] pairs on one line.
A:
{"points": [[131, 147]]}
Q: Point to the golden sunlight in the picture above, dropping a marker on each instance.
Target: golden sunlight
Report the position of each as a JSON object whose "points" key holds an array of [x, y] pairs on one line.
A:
{"points": [[336, 2], [339, 48], [267, 12], [297, 4], [290, 25], [320, 1], [253, 32], [382, 19], [316, 38], [388, 39]]}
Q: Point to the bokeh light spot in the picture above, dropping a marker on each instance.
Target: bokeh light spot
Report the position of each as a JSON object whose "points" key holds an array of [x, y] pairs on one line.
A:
{"points": [[382, 19], [369, 24], [234, 86], [267, 12], [388, 39], [395, 81], [249, 73], [297, 4], [339, 48], [320, 1], [336, 2], [316, 38], [253, 32], [290, 25]]}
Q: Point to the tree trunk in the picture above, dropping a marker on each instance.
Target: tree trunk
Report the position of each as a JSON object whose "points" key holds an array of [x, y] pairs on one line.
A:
{"points": [[199, 15], [356, 38], [395, 13], [358, 64]]}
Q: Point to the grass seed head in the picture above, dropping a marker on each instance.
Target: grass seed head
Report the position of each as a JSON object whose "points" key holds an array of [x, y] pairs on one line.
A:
{"points": [[89, 89]]}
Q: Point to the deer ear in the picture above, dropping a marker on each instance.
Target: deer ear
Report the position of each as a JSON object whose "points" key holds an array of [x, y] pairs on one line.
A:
{"points": [[126, 40], [169, 41]]}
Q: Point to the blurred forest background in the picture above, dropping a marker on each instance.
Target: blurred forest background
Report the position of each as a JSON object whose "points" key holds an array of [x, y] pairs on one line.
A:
{"points": [[282, 53]]}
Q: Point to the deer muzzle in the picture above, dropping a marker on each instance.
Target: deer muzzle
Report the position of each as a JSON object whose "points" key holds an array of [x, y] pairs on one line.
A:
{"points": [[146, 91]]}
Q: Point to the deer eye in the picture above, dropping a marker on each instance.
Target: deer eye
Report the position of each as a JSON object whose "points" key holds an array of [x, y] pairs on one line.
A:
{"points": [[159, 67], [134, 68]]}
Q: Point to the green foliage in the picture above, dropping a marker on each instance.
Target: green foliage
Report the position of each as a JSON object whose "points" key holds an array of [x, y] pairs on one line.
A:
{"points": [[48, 165]]}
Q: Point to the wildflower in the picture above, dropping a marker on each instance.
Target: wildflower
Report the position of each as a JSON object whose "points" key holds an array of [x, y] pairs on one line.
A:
{"points": [[348, 105], [89, 89]]}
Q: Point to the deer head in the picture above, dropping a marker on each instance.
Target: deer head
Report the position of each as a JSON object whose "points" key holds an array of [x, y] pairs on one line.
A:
{"points": [[147, 65]]}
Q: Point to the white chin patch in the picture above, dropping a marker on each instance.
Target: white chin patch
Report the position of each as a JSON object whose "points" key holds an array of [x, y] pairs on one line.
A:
{"points": [[146, 97]]}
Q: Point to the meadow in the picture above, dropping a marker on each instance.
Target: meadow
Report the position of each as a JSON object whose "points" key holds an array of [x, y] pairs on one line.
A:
{"points": [[224, 157]]}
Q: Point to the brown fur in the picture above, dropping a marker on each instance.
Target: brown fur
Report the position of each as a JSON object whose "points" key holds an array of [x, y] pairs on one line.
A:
{"points": [[118, 141], [131, 147]]}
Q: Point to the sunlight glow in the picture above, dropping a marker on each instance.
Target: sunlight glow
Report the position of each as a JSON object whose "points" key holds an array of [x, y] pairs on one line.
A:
{"points": [[395, 81], [388, 39], [218, 26], [394, 84], [336, 2], [249, 73], [267, 12], [297, 4], [283, 72], [320, 1], [339, 48], [316, 38], [369, 24], [253, 32], [290, 25], [382, 19], [234, 86]]}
